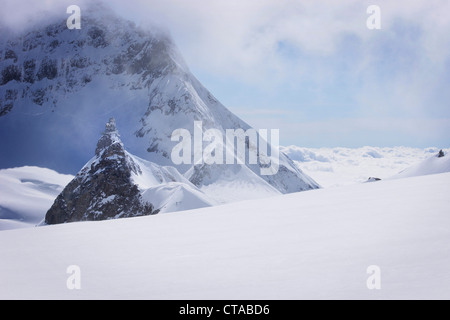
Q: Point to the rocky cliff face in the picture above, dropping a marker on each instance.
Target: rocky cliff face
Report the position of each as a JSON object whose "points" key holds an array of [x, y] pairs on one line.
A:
{"points": [[44, 62], [103, 189]]}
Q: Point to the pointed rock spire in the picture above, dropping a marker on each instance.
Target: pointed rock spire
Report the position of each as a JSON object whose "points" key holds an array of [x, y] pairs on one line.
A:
{"points": [[103, 189], [110, 136]]}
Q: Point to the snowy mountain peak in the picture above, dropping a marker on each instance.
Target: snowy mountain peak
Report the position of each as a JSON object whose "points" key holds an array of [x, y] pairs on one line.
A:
{"points": [[110, 127], [66, 81], [104, 188], [110, 136]]}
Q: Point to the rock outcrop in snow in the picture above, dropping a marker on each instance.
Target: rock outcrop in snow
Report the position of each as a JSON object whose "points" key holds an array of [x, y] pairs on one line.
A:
{"points": [[116, 184], [103, 189]]}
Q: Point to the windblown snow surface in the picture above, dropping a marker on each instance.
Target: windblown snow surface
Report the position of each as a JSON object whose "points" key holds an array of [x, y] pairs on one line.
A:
{"points": [[314, 244]]}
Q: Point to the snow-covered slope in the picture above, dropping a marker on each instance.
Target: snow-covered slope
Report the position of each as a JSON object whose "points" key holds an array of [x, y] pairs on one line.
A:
{"points": [[175, 196], [432, 165], [167, 189], [315, 244], [26, 194], [230, 183], [151, 174]]}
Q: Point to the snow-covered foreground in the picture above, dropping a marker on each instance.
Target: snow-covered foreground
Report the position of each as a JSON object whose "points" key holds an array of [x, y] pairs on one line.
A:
{"points": [[315, 244]]}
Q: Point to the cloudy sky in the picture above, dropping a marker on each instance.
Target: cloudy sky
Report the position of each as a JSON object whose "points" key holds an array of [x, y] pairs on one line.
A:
{"points": [[311, 68]]}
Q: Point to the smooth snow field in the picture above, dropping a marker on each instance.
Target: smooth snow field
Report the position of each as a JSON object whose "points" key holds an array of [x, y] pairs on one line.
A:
{"points": [[26, 194], [311, 245]]}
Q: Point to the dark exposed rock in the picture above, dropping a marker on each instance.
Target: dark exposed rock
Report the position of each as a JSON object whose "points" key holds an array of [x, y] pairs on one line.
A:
{"points": [[38, 96], [54, 44], [118, 66], [79, 62], [7, 105], [11, 94], [6, 108], [10, 54], [54, 30], [48, 69], [103, 189], [86, 79], [441, 154], [98, 37], [10, 73], [31, 42], [29, 68]]}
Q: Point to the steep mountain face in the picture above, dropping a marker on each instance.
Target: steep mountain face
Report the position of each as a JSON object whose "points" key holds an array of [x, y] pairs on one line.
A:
{"points": [[104, 188], [58, 83]]}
